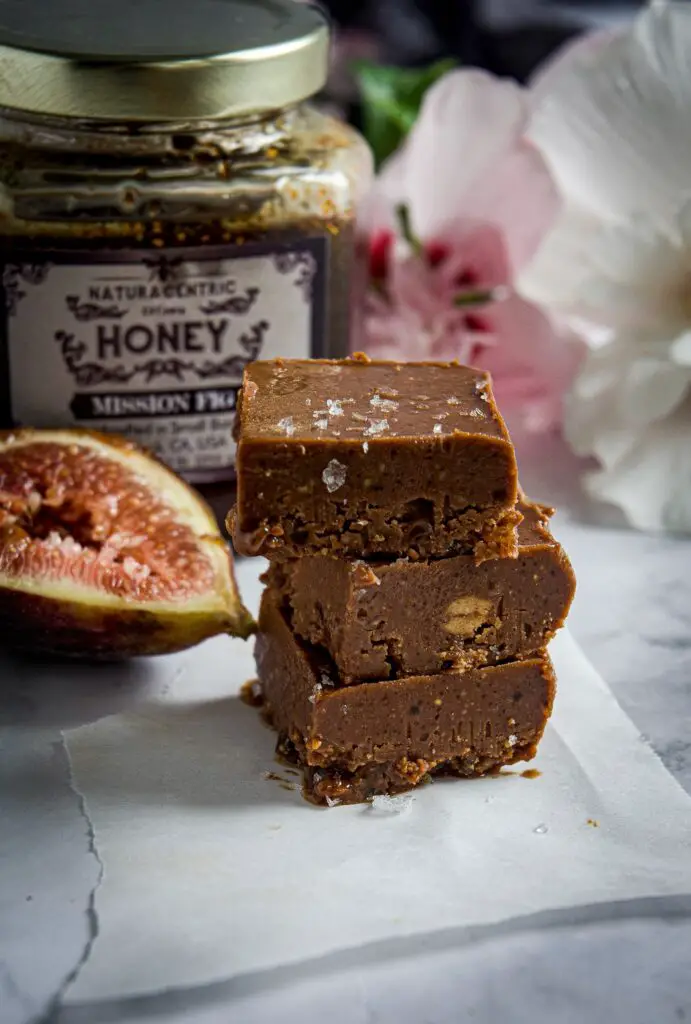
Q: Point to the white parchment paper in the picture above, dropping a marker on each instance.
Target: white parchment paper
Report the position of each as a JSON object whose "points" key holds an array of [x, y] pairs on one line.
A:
{"points": [[212, 870]]}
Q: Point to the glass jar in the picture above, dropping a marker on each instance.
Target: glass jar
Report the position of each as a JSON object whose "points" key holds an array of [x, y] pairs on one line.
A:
{"points": [[169, 210]]}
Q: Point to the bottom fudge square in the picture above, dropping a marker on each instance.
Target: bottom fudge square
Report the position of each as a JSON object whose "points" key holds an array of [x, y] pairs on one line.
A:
{"points": [[385, 737], [384, 620]]}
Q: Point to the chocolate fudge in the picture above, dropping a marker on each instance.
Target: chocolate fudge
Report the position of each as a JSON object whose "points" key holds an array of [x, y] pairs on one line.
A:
{"points": [[364, 458], [383, 737], [382, 620]]}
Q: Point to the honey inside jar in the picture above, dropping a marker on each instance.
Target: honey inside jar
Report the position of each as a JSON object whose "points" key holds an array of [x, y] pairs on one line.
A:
{"points": [[149, 254]]}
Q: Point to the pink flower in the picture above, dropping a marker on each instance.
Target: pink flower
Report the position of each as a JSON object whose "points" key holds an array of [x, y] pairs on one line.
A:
{"points": [[479, 199]]}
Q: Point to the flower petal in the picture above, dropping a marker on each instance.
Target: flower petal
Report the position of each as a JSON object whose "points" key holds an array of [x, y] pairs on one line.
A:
{"points": [[520, 198], [613, 124], [477, 255], [532, 363], [620, 391], [468, 121], [651, 483], [377, 210], [573, 52], [556, 274], [626, 275], [681, 349]]}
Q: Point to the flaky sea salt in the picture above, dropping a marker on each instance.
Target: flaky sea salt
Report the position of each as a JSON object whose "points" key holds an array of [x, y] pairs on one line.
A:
{"points": [[321, 424], [331, 802], [453, 400], [376, 427], [287, 426], [437, 428], [325, 680], [365, 446], [392, 804], [334, 476], [512, 740], [334, 407], [477, 414], [385, 404], [316, 690]]}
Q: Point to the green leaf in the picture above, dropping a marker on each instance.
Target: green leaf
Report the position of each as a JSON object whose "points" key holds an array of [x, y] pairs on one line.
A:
{"points": [[391, 101]]}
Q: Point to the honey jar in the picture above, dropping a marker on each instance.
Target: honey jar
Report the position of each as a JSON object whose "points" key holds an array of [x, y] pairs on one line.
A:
{"points": [[171, 207]]}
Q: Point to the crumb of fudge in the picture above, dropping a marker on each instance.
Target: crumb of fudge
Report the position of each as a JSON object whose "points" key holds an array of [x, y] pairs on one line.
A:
{"points": [[251, 693]]}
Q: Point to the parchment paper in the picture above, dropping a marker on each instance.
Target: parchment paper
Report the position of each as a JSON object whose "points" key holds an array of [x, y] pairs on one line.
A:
{"points": [[212, 870]]}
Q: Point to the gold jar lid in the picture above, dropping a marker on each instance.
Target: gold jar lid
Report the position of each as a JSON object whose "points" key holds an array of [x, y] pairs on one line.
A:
{"points": [[159, 60]]}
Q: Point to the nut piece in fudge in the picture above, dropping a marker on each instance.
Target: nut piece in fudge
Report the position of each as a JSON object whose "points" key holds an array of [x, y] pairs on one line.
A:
{"points": [[382, 620], [364, 458], [385, 737]]}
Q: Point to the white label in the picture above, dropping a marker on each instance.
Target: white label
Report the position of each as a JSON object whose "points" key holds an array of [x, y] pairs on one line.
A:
{"points": [[153, 345]]}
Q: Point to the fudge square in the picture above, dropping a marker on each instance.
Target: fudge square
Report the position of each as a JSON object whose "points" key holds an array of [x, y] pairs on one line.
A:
{"points": [[381, 620], [364, 458], [355, 742]]}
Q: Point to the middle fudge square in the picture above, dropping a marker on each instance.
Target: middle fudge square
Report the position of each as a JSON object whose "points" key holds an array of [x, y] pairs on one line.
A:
{"points": [[386, 620], [365, 458]]}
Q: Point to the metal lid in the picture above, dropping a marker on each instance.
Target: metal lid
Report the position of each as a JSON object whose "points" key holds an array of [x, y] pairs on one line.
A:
{"points": [[159, 60]]}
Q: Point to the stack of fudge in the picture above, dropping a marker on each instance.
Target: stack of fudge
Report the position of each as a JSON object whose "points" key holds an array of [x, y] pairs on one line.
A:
{"points": [[411, 588]]}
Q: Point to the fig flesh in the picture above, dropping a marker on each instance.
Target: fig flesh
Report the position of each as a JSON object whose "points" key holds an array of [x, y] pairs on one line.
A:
{"points": [[106, 553]]}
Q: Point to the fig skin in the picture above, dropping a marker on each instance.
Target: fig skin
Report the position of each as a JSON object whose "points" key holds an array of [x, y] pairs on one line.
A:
{"points": [[75, 629], [64, 617]]}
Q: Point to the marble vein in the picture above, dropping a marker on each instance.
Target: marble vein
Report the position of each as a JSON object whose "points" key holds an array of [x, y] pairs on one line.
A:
{"points": [[47, 876], [91, 913]]}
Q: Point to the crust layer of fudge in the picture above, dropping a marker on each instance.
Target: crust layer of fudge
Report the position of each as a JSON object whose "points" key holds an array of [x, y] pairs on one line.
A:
{"points": [[379, 620], [465, 722], [364, 458], [335, 785]]}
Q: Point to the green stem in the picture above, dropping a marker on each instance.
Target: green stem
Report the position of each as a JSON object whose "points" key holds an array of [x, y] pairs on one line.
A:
{"points": [[403, 215], [479, 297]]}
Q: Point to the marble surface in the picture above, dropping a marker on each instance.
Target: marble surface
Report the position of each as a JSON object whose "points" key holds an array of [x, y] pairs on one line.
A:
{"points": [[632, 963]]}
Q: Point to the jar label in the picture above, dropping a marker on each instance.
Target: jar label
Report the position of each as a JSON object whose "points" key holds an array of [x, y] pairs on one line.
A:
{"points": [[153, 344]]}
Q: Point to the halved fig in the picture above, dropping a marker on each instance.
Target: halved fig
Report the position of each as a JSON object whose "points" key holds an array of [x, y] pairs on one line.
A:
{"points": [[104, 552]]}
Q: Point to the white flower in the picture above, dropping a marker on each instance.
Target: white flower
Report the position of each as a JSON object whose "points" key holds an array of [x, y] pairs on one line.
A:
{"points": [[613, 120]]}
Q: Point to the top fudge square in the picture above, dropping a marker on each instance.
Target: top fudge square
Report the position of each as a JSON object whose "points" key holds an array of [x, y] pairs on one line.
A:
{"points": [[366, 458]]}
